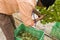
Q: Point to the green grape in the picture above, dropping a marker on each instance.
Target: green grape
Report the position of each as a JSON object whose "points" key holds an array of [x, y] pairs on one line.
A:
{"points": [[26, 36], [53, 12]]}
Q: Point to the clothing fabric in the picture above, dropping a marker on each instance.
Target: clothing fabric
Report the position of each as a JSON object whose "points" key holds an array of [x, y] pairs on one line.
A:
{"points": [[11, 6], [7, 25], [24, 7]]}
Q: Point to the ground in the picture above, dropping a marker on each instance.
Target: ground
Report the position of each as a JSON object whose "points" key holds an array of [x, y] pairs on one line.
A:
{"points": [[2, 36]]}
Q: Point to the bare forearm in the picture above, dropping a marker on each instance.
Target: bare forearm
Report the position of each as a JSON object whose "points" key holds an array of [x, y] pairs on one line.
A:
{"points": [[40, 17], [36, 12]]}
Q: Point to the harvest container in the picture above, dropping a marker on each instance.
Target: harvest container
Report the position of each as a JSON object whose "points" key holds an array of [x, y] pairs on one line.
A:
{"points": [[34, 32]]}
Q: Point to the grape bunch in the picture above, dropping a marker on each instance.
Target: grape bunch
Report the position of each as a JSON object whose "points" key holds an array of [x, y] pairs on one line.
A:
{"points": [[27, 36]]}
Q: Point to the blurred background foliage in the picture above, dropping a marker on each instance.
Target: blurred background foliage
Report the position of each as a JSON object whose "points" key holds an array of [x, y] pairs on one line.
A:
{"points": [[52, 14]]}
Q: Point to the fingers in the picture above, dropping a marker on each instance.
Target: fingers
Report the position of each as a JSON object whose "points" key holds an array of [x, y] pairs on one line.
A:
{"points": [[39, 18]]}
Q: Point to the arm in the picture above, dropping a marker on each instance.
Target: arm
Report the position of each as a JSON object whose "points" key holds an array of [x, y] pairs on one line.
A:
{"points": [[26, 7], [39, 15]]}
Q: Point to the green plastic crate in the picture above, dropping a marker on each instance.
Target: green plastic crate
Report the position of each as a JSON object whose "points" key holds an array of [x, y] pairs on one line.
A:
{"points": [[56, 30], [37, 33]]}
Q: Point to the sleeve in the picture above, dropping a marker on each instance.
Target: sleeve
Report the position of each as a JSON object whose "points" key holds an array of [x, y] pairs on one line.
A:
{"points": [[25, 8]]}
